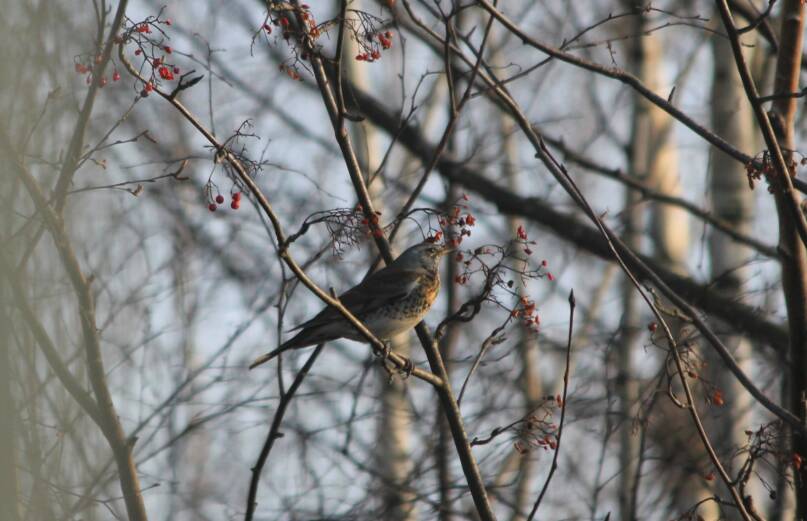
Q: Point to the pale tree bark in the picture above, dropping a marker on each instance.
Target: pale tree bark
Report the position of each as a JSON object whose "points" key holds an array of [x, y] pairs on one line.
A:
{"points": [[392, 457], [626, 386], [530, 383], [653, 156], [732, 202]]}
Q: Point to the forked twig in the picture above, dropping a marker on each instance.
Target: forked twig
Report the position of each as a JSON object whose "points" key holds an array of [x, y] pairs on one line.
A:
{"points": [[274, 432], [566, 371]]}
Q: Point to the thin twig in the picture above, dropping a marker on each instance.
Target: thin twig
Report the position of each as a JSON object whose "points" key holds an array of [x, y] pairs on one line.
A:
{"points": [[274, 432], [572, 304]]}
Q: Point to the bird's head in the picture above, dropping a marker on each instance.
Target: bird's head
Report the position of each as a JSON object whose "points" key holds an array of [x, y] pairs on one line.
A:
{"points": [[425, 255]]}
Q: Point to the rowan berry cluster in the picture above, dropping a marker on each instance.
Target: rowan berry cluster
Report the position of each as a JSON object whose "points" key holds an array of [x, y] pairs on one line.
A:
{"points": [[152, 54], [232, 150], [292, 31], [523, 240], [766, 447], [763, 166], [371, 50], [528, 313], [371, 225], [86, 64], [235, 203], [371, 40], [456, 224], [537, 430], [280, 19]]}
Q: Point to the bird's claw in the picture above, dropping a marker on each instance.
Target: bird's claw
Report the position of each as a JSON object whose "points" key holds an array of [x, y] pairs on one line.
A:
{"points": [[386, 351], [407, 369], [384, 355]]}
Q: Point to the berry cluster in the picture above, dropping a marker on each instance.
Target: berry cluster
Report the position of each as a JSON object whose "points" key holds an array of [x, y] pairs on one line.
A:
{"points": [[309, 29], [280, 19], [521, 237], [235, 204], [372, 48], [85, 64], [766, 446], [371, 225], [155, 54], [763, 166], [537, 430], [459, 224], [528, 314]]}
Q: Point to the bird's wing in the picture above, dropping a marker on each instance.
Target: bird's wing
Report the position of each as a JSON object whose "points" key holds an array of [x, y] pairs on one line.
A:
{"points": [[381, 287]]}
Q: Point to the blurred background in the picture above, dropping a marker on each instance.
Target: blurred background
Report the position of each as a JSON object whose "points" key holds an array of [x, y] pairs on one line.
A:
{"points": [[183, 298]]}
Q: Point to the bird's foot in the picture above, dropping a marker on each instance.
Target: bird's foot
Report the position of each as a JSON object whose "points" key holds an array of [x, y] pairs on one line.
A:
{"points": [[386, 351], [385, 361], [407, 369]]}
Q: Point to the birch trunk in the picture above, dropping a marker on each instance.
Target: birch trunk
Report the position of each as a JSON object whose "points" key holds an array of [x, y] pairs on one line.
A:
{"points": [[732, 202], [392, 456]]}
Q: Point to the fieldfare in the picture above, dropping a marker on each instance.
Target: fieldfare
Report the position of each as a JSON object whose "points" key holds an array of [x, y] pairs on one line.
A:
{"points": [[390, 301]]}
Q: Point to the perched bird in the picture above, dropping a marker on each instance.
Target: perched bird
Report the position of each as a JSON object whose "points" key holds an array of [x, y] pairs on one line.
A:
{"points": [[390, 301]]}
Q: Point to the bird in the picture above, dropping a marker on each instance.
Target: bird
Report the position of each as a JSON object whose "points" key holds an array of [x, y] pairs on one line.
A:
{"points": [[390, 301]]}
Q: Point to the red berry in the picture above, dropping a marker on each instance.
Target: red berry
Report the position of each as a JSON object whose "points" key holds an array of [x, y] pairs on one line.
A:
{"points": [[168, 49], [235, 204], [212, 207], [157, 62], [176, 70], [167, 21], [115, 76], [149, 87], [220, 199], [388, 34], [138, 52], [237, 196], [522, 233]]}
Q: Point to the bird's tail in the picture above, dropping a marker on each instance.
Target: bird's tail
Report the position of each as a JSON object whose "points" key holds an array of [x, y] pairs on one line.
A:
{"points": [[302, 339], [268, 356]]}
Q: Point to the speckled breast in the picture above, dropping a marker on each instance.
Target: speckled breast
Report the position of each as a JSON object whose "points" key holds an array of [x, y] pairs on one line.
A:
{"points": [[420, 300]]}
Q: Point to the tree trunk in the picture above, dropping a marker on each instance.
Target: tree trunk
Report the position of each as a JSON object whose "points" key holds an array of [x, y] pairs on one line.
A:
{"points": [[393, 434], [794, 261], [733, 203]]}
